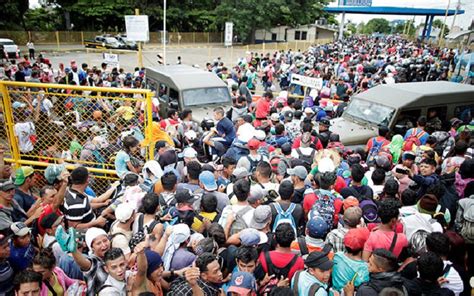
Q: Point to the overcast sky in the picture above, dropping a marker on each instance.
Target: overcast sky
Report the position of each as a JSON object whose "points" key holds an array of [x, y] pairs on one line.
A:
{"points": [[461, 20]]}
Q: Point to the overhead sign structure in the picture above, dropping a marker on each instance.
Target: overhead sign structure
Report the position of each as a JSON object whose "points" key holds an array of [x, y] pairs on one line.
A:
{"points": [[137, 28], [111, 59], [357, 2], [229, 34], [316, 83]]}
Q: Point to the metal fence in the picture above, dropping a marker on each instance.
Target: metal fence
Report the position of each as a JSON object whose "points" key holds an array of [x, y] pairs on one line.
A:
{"points": [[78, 37], [45, 124]]}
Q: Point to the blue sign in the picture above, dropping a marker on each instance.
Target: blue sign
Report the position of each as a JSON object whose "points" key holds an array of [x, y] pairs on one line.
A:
{"points": [[357, 2]]}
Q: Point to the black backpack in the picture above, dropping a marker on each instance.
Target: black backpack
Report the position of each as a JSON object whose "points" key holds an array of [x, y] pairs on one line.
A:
{"points": [[306, 159]]}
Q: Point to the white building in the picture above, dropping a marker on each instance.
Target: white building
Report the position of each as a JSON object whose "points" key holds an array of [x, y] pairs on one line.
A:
{"points": [[311, 32]]}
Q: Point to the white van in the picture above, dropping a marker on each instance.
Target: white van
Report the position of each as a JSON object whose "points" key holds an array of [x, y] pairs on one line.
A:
{"points": [[10, 48]]}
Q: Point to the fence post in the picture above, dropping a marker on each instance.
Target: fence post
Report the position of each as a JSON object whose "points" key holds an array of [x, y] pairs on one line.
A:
{"points": [[10, 123], [82, 38], [57, 38], [207, 37], [222, 37], [194, 37], [149, 124]]}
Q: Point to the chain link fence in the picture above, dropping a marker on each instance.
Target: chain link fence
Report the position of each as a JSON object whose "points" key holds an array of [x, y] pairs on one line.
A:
{"points": [[47, 124]]}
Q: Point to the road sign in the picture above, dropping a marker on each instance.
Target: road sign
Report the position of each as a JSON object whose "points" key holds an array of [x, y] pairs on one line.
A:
{"points": [[316, 83], [229, 26], [137, 28], [357, 2]]}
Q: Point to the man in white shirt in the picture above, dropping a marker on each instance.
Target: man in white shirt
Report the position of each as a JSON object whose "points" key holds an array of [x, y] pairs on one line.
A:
{"points": [[229, 215], [116, 267]]}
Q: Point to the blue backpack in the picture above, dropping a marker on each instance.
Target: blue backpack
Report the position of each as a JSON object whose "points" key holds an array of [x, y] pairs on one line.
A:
{"points": [[285, 217], [324, 207], [374, 151]]}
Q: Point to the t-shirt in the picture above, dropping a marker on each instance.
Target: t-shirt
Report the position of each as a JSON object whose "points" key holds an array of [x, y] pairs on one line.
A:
{"points": [[280, 260], [121, 163], [182, 258], [345, 269], [127, 112], [24, 200], [77, 207], [225, 128], [262, 109], [381, 239], [370, 142], [20, 258], [23, 130], [247, 217], [6, 278]]}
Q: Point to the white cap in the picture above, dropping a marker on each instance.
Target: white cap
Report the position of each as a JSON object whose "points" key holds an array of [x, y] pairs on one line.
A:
{"points": [[260, 135], [308, 110], [189, 153], [190, 135], [123, 212], [20, 229], [92, 234]]}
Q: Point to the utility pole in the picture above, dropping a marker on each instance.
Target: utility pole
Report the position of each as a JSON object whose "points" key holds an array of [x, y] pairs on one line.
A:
{"points": [[458, 7], [140, 54], [164, 32], [441, 36]]}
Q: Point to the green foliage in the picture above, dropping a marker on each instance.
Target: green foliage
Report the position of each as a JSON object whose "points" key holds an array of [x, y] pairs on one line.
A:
{"points": [[377, 25], [351, 28], [12, 13], [43, 19]]}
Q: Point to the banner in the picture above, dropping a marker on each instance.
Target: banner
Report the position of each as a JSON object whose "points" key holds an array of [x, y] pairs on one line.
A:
{"points": [[137, 28], [357, 2], [229, 26], [316, 83]]}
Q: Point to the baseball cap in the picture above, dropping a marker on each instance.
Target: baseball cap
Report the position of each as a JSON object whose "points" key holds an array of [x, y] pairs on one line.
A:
{"points": [[369, 210], [17, 105], [317, 227], [318, 260], [256, 194], [260, 135], [124, 212], [243, 283], [288, 115], [326, 164], [408, 155], [383, 162], [22, 173], [350, 202], [261, 216], [308, 110], [252, 237], [325, 121], [183, 196], [189, 152], [20, 229], [207, 179], [190, 135], [241, 172], [6, 185], [299, 171], [275, 117], [253, 144], [355, 238]]}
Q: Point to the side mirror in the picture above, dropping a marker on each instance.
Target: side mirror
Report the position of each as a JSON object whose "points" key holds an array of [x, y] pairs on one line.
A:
{"points": [[174, 105]]}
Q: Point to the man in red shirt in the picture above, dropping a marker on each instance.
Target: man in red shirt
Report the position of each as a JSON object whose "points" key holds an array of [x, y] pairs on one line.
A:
{"points": [[385, 236], [262, 108], [282, 262], [381, 140]]}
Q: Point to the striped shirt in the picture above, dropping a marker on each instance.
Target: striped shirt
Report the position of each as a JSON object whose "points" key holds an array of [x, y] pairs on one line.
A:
{"points": [[6, 278], [96, 276], [77, 207]]}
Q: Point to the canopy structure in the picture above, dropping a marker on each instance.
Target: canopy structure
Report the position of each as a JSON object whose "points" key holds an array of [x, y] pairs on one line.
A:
{"points": [[430, 13]]}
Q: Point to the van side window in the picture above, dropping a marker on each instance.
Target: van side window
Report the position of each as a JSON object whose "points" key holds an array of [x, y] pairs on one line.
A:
{"points": [[436, 118], [408, 118], [163, 89], [462, 112], [174, 95]]}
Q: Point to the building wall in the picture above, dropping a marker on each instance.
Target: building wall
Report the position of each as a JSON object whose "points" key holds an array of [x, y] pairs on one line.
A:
{"points": [[325, 34], [266, 35], [309, 30]]}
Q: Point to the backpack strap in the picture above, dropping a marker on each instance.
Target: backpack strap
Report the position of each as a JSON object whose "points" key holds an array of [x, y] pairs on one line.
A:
{"points": [[269, 263], [314, 289], [303, 246], [286, 269], [295, 282], [152, 226], [394, 241], [298, 150], [447, 269], [50, 288], [141, 221]]}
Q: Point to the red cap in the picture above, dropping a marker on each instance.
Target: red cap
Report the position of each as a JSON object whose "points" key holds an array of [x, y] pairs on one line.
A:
{"points": [[253, 144], [355, 238], [350, 202]]}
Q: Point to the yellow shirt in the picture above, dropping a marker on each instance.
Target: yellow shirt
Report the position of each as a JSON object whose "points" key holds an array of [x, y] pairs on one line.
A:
{"points": [[56, 287], [127, 112], [197, 224]]}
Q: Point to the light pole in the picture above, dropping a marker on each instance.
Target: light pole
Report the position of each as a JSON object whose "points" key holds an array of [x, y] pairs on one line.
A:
{"points": [[164, 32]]}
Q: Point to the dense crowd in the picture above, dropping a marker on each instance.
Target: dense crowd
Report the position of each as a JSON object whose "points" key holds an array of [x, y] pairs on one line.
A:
{"points": [[262, 199]]}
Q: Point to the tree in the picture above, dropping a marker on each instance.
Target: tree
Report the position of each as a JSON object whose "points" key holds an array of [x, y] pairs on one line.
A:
{"points": [[351, 28], [12, 14], [439, 24], [377, 25]]}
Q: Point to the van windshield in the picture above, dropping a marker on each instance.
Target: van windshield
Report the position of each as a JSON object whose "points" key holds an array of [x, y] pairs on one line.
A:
{"points": [[203, 96], [369, 111]]}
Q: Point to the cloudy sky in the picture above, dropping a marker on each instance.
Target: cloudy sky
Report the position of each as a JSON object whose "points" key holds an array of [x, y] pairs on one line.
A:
{"points": [[461, 20]]}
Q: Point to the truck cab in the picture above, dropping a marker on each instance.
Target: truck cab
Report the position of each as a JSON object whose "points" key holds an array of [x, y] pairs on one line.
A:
{"points": [[398, 106], [184, 87]]}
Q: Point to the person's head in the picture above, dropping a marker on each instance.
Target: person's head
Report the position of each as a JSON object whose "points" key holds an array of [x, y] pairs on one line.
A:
{"points": [[378, 176], [263, 170], [115, 264], [431, 141], [438, 243], [427, 167], [421, 122], [279, 129], [357, 172], [80, 176], [209, 267], [408, 158], [390, 188], [242, 283], [97, 241], [229, 164], [246, 258], [316, 227], [460, 148], [27, 283], [326, 180], [209, 203], [186, 115], [21, 234], [430, 267], [242, 189], [47, 194], [44, 263], [155, 267], [193, 169], [268, 95], [169, 181], [286, 190], [388, 211], [383, 131], [284, 235], [408, 197], [355, 239], [131, 144], [4, 246], [24, 176], [7, 190], [172, 114], [150, 203], [51, 222], [219, 113], [319, 266], [382, 260], [352, 216]]}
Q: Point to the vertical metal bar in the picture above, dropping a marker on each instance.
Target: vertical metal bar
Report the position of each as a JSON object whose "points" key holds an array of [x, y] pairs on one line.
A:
{"points": [[149, 124], [9, 121]]}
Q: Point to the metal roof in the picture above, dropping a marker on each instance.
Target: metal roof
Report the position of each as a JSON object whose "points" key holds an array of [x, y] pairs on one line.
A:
{"points": [[182, 77], [391, 10], [418, 94], [458, 34]]}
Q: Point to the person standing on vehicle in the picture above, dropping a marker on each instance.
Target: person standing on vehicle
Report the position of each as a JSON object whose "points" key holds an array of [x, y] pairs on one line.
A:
{"points": [[31, 49]]}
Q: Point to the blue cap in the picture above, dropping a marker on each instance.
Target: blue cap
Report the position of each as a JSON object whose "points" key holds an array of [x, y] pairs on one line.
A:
{"points": [[207, 179], [249, 237], [317, 227], [242, 283]]}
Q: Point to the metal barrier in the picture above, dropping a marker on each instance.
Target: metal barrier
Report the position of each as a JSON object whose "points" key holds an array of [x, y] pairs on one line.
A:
{"points": [[52, 123]]}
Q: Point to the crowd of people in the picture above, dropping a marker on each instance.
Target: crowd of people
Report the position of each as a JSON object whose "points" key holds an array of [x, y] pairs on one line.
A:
{"points": [[263, 199]]}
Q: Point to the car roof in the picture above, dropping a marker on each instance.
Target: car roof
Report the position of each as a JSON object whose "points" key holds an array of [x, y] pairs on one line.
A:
{"points": [[183, 77], [5, 39], [417, 94]]}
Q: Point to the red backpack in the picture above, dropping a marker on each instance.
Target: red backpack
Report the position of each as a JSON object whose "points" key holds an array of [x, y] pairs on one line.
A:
{"points": [[413, 139]]}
